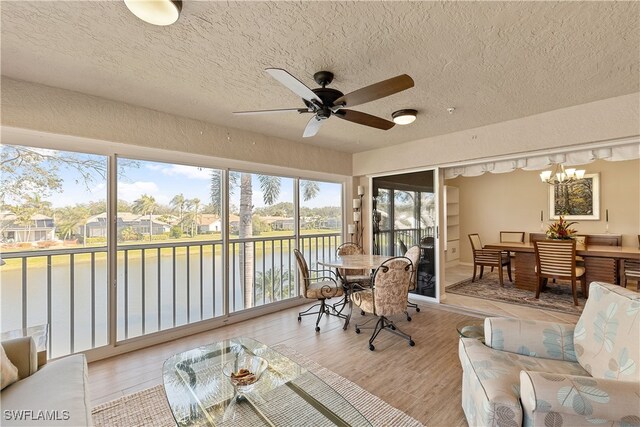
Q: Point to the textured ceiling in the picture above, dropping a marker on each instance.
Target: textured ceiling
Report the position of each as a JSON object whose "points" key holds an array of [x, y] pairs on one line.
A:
{"points": [[493, 61]]}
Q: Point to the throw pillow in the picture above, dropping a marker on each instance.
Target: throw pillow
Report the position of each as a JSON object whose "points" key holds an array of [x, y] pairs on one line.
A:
{"points": [[8, 372]]}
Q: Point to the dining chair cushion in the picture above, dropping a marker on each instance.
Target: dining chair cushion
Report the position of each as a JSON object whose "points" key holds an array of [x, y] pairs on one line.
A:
{"points": [[579, 270], [364, 300], [413, 253], [323, 289], [512, 236]]}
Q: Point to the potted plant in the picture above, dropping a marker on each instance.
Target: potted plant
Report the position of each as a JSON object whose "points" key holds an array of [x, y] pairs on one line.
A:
{"points": [[561, 230]]}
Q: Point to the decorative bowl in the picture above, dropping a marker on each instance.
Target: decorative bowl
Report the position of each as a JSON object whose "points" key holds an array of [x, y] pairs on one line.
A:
{"points": [[245, 371]]}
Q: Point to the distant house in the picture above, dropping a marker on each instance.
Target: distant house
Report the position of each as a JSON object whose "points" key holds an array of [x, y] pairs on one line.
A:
{"points": [[330, 223], [97, 225], [209, 223], [40, 227], [234, 223], [279, 223]]}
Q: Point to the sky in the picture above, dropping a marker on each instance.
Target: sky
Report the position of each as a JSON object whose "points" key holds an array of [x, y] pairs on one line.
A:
{"points": [[163, 181]]}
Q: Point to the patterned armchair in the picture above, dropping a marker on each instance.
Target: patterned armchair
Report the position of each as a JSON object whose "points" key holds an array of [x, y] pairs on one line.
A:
{"points": [[413, 253], [537, 373], [387, 297], [360, 277]]}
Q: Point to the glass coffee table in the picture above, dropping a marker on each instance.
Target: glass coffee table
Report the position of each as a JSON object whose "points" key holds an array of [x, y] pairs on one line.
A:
{"points": [[200, 394]]}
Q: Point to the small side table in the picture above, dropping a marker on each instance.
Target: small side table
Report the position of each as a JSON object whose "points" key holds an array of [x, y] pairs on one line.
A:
{"points": [[40, 335], [471, 329]]}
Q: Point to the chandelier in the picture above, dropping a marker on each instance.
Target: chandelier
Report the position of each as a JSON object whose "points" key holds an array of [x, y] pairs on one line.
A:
{"points": [[560, 175]]}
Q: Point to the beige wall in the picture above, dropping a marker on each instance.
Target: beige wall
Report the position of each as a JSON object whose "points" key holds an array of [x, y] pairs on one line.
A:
{"points": [[603, 120], [58, 111], [513, 201]]}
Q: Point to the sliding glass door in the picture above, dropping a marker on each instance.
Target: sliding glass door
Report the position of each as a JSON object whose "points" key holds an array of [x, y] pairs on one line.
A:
{"points": [[406, 214]]}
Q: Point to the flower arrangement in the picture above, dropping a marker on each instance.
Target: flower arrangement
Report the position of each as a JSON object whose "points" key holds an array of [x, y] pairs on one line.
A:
{"points": [[561, 230]]}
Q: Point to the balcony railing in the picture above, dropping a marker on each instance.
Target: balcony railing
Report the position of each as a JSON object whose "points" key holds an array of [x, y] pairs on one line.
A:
{"points": [[160, 285]]}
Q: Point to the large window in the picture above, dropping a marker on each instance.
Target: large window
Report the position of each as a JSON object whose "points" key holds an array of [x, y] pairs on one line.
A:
{"points": [[173, 226], [54, 271], [169, 247], [320, 219], [262, 229]]}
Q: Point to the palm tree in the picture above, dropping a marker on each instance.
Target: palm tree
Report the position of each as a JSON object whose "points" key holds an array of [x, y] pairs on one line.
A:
{"points": [[196, 204], [270, 186], [178, 202], [70, 218], [24, 214], [42, 207], [145, 206], [274, 280]]}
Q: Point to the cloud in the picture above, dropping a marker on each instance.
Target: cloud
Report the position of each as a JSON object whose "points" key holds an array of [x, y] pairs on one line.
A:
{"points": [[130, 191], [189, 172]]}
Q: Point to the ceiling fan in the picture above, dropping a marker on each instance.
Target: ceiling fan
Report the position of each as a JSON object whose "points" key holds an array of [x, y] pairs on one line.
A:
{"points": [[324, 102]]}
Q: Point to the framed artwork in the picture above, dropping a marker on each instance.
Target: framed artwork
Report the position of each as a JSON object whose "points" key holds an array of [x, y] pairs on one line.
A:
{"points": [[576, 200]]}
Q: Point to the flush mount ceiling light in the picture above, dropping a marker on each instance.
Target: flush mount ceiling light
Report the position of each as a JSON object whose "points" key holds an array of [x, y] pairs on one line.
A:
{"points": [[404, 117], [156, 12]]}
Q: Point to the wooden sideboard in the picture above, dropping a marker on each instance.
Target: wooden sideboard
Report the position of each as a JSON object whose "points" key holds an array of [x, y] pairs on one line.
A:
{"points": [[601, 262], [591, 239]]}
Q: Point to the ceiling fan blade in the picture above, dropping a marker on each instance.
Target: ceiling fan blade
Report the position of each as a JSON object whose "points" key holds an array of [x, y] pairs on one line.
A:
{"points": [[293, 84], [280, 110], [365, 119], [376, 91], [312, 127]]}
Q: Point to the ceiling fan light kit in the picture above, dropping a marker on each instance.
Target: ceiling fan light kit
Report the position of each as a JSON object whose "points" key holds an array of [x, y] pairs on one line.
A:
{"points": [[156, 12], [324, 102], [404, 117]]}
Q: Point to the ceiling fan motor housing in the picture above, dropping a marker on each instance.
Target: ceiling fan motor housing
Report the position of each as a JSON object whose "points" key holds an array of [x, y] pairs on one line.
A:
{"points": [[328, 96]]}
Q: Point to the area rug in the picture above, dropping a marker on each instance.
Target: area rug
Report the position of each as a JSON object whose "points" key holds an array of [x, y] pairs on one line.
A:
{"points": [[556, 297], [150, 408]]}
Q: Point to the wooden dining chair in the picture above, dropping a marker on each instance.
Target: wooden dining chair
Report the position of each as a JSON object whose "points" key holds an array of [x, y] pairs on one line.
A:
{"points": [[556, 259], [511, 237], [488, 258], [631, 270]]}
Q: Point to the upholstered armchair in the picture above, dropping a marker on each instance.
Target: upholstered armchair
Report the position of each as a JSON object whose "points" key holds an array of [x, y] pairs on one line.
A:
{"points": [[387, 297], [360, 277], [537, 373], [413, 253], [320, 285]]}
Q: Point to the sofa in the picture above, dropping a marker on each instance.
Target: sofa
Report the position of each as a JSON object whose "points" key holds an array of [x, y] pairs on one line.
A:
{"points": [[55, 394], [538, 373]]}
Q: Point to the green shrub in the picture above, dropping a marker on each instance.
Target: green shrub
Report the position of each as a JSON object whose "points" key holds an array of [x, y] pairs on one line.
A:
{"points": [[176, 232], [96, 240]]}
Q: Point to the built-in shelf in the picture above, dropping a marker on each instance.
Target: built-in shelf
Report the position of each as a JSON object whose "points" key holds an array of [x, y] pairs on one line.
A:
{"points": [[452, 218]]}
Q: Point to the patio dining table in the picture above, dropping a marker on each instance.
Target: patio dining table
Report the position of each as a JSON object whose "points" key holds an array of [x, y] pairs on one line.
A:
{"points": [[353, 262]]}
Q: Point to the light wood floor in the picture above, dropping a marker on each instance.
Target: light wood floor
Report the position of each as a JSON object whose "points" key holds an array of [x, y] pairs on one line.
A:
{"points": [[423, 381]]}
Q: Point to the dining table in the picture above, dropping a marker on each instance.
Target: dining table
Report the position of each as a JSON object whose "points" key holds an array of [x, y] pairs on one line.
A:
{"points": [[602, 263], [367, 262]]}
